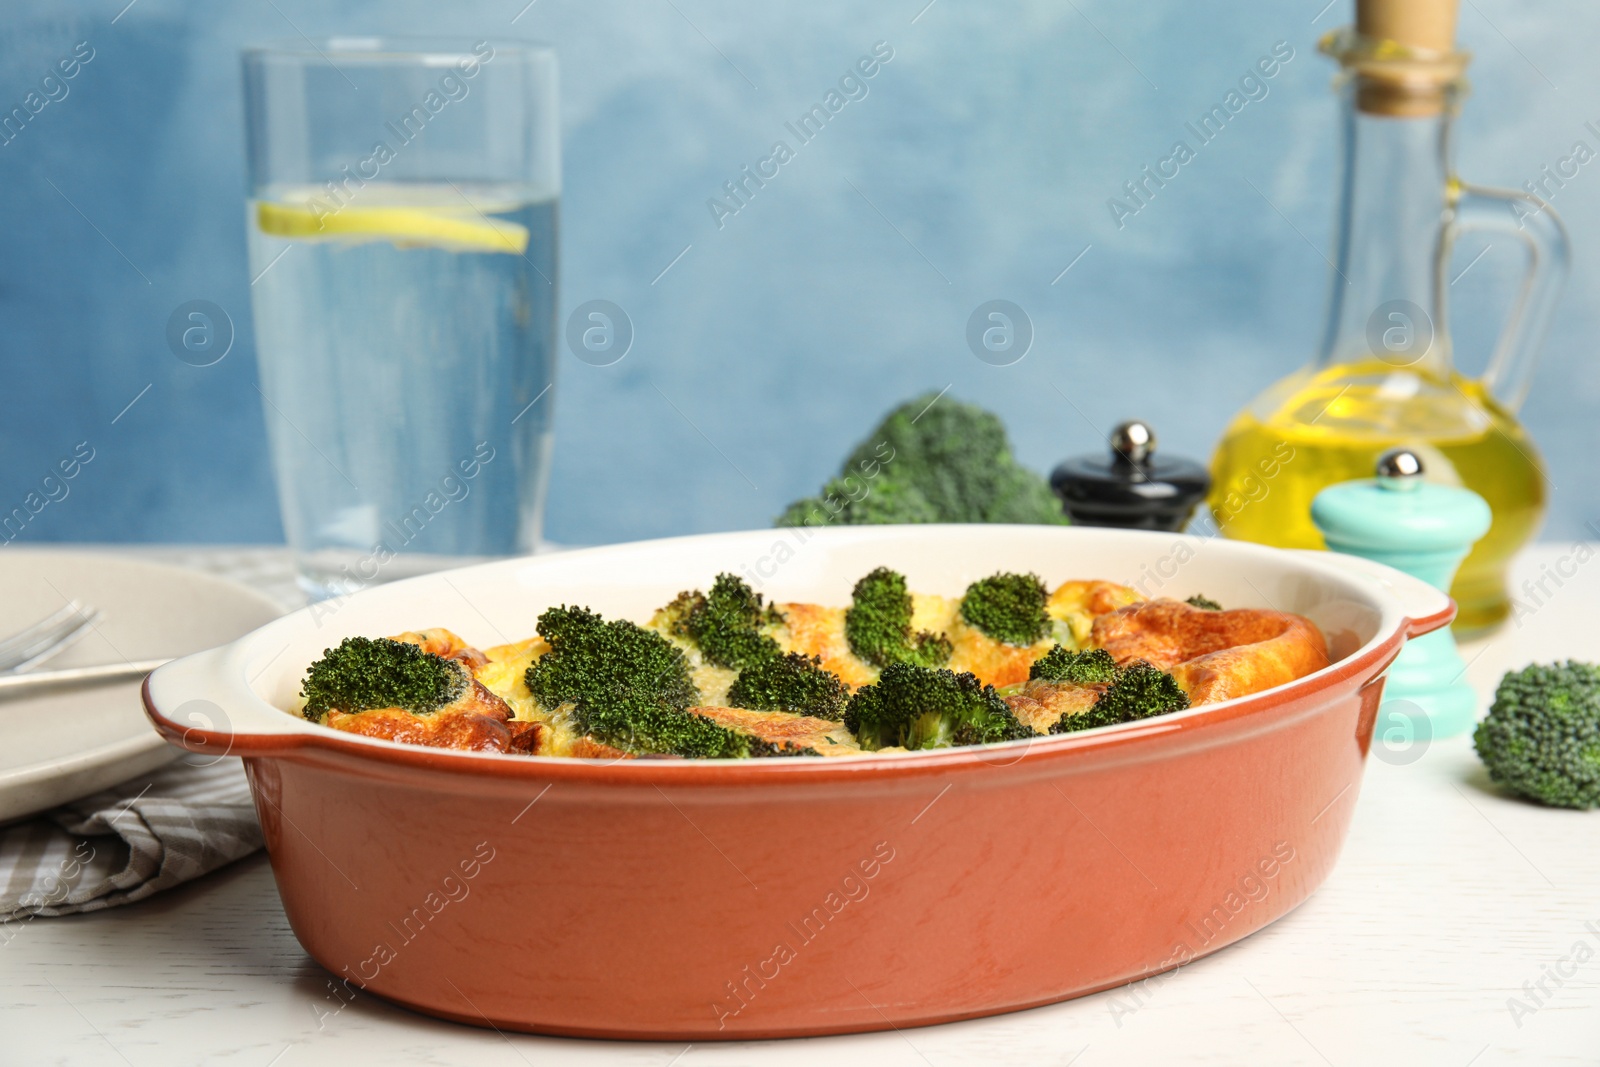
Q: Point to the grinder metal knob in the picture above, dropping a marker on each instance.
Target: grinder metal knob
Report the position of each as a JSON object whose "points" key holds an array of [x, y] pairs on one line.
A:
{"points": [[1133, 442], [1400, 469]]}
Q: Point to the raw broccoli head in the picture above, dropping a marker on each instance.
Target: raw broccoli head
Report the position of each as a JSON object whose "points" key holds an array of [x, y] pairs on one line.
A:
{"points": [[628, 687], [1092, 666], [1542, 735], [878, 624], [859, 502], [956, 454], [1008, 607], [725, 624], [932, 459], [918, 707], [366, 673], [1203, 602], [794, 683], [1018, 495], [1140, 691]]}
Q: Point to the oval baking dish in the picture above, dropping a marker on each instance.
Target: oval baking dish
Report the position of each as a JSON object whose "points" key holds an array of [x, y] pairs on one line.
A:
{"points": [[704, 899]]}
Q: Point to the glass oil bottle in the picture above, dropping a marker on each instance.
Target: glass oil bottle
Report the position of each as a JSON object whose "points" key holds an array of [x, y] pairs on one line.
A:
{"points": [[1385, 375]]}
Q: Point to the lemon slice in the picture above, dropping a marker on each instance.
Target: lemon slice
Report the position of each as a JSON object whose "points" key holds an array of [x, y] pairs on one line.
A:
{"points": [[459, 230]]}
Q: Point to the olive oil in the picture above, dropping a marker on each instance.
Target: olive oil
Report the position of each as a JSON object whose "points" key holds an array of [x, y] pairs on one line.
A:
{"points": [[1329, 424]]}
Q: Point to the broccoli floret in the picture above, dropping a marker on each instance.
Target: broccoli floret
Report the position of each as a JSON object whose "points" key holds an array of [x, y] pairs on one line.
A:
{"points": [[1204, 603], [1008, 607], [367, 673], [595, 662], [1140, 691], [918, 707], [724, 624], [932, 459], [878, 624], [628, 687], [794, 683], [1092, 666], [1542, 736], [674, 618]]}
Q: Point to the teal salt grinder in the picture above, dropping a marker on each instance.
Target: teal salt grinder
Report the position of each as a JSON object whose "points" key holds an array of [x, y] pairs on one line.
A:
{"points": [[1425, 530]]}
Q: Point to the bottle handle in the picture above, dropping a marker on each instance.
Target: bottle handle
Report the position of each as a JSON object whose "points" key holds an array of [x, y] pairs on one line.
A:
{"points": [[1533, 221]]}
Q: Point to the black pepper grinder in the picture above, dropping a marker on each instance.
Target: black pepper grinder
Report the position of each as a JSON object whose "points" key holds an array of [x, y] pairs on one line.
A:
{"points": [[1131, 488]]}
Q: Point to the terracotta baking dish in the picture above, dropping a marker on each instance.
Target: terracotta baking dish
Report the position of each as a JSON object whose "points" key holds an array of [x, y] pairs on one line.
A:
{"points": [[723, 899]]}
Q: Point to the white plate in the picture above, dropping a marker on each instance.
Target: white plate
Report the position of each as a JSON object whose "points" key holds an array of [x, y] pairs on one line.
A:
{"points": [[63, 745]]}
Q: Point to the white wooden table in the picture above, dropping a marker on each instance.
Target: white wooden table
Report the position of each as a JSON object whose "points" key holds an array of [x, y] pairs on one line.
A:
{"points": [[1450, 904]]}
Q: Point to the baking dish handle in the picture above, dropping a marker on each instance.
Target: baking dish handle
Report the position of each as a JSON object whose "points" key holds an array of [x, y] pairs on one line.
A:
{"points": [[192, 705], [1427, 609]]}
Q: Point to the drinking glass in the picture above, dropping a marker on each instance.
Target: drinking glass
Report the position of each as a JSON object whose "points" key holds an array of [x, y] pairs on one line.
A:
{"points": [[402, 231]]}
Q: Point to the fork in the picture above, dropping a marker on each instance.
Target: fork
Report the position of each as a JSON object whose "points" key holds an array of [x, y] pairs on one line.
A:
{"points": [[35, 644], [32, 646]]}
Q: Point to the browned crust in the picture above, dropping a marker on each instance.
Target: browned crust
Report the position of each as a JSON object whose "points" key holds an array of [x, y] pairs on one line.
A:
{"points": [[818, 631], [442, 642], [476, 721], [1214, 655], [586, 747], [994, 662], [527, 738], [1093, 596], [786, 730], [1041, 704]]}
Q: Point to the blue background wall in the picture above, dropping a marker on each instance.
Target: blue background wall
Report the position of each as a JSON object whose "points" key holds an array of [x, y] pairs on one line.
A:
{"points": [[978, 167]]}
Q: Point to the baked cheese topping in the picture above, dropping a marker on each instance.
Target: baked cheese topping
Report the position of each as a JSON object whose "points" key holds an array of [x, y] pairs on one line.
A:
{"points": [[1210, 655]]}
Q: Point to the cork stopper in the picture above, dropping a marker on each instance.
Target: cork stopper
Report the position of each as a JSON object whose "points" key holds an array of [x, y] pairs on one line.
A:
{"points": [[1428, 25], [1402, 56]]}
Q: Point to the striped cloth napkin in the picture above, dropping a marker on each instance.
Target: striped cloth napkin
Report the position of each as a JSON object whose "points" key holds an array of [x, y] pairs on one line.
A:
{"points": [[126, 843]]}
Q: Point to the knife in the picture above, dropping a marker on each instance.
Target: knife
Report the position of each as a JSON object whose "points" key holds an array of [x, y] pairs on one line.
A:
{"points": [[25, 682]]}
